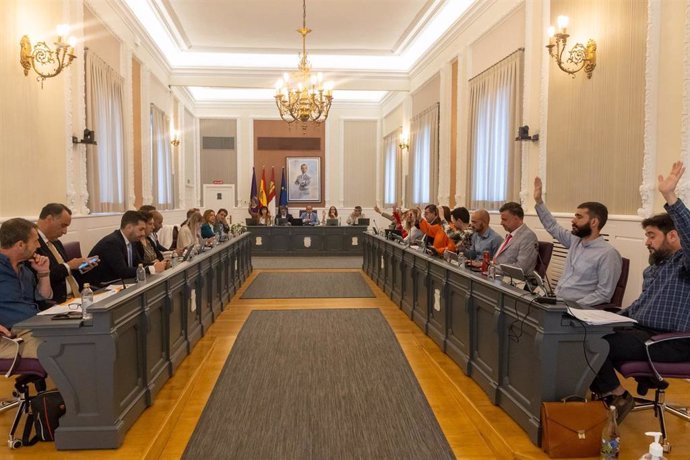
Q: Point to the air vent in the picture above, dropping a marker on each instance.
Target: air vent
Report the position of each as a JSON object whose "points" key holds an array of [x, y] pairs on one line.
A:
{"points": [[218, 143], [288, 143]]}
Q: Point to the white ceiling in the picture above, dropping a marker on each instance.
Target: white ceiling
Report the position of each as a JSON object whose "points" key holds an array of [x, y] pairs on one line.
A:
{"points": [[360, 44]]}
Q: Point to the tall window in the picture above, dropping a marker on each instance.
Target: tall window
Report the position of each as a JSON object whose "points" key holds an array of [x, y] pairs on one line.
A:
{"points": [[424, 156], [495, 108], [392, 169], [161, 160], [105, 165]]}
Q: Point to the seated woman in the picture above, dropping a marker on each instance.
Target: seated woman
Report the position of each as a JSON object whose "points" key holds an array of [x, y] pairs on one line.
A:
{"points": [[411, 234], [190, 233], [395, 217], [265, 217], [209, 222], [332, 214], [151, 253], [431, 226]]}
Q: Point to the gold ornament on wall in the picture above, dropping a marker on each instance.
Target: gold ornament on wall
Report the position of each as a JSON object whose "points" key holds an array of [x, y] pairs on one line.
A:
{"points": [[47, 62], [579, 56]]}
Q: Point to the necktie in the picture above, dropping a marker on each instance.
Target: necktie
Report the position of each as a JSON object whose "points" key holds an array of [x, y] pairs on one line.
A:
{"points": [[129, 254], [71, 282], [503, 246]]}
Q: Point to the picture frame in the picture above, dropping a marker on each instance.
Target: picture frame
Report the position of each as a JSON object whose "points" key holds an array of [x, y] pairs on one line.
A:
{"points": [[304, 179]]}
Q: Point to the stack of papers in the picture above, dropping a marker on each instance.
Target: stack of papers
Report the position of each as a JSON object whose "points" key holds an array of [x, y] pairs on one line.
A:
{"points": [[598, 317], [75, 304]]}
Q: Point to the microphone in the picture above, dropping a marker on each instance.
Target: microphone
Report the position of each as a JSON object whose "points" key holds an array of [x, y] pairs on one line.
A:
{"points": [[113, 281]]}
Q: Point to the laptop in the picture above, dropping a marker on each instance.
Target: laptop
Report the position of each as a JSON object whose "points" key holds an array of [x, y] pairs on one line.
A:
{"points": [[249, 221], [332, 222], [282, 221], [188, 252], [297, 221], [363, 221]]}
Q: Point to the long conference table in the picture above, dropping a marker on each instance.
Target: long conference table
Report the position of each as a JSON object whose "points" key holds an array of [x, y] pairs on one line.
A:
{"points": [[110, 368], [519, 351], [307, 240]]}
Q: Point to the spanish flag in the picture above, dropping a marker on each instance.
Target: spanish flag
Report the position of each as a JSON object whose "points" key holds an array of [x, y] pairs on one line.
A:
{"points": [[262, 189]]}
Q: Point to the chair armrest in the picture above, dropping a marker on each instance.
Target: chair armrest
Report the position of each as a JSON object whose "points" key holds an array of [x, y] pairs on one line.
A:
{"points": [[17, 341], [612, 307], [659, 338]]}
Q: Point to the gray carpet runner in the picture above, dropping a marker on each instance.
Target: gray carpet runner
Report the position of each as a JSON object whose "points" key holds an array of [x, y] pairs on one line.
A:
{"points": [[317, 384], [307, 285], [282, 263]]}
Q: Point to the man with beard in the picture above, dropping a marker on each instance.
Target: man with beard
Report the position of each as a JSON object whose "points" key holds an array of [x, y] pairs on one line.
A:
{"points": [[24, 280], [593, 266], [663, 305]]}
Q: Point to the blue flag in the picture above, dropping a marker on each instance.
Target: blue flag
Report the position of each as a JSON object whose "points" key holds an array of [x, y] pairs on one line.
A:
{"points": [[282, 200], [253, 194]]}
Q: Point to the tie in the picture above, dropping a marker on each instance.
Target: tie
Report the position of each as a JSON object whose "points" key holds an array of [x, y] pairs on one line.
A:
{"points": [[503, 246], [71, 282], [129, 254]]}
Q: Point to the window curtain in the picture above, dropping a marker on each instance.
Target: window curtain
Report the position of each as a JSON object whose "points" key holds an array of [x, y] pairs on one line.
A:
{"points": [[392, 169], [495, 113], [105, 162], [161, 160], [424, 156]]}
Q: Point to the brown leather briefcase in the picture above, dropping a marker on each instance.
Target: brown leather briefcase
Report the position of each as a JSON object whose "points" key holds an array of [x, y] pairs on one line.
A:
{"points": [[573, 428]]}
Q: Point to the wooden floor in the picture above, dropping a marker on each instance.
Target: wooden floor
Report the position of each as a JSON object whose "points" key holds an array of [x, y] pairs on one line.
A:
{"points": [[475, 428]]}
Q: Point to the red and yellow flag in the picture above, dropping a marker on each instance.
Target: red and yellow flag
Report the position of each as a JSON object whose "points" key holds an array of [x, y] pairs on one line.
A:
{"points": [[262, 189]]}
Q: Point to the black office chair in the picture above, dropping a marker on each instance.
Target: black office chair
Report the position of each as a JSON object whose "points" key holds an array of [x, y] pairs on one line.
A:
{"points": [[616, 303], [544, 253]]}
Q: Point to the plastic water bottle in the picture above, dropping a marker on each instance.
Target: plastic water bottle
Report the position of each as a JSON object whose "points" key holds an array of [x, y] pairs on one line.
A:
{"points": [[86, 301], [141, 274], [492, 271], [610, 438]]}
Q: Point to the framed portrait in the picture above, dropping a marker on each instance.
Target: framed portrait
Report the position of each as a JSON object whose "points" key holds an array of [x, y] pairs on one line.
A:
{"points": [[304, 178]]}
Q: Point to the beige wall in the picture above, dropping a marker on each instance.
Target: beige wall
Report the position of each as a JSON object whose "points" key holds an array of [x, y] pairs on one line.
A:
{"points": [[393, 120], [427, 95], [360, 168], [32, 120], [218, 164], [501, 41], [101, 41]]}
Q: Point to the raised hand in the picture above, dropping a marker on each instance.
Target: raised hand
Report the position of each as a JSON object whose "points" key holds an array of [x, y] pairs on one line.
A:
{"points": [[376, 208], [537, 190], [667, 185]]}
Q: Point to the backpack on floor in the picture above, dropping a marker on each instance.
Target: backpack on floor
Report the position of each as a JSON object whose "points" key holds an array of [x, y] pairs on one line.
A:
{"points": [[45, 410]]}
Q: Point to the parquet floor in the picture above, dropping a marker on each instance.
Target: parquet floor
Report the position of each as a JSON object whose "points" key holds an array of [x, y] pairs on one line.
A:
{"points": [[475, 428]]}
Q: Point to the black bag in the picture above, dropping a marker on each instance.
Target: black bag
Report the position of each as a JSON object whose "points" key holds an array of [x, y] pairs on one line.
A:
{"points": [[45, 410]]}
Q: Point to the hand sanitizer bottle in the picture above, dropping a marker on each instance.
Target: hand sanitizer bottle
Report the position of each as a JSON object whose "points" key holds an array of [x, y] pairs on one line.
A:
{"points": [[656, 450]]}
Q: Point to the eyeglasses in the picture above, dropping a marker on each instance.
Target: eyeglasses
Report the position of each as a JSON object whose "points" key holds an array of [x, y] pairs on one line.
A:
{"points": [[74, 306]]}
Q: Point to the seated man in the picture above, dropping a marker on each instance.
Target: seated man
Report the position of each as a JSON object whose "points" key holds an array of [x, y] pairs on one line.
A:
{"points": [[395, 217], [483, 237], [24, 280], [459, 229], [593, 266], [663, 305], [309, 216], [222, 223], [431, 226], [520, 246], [353, 218], [283, 214], [65, 279], [157, 225], [121, 252]]}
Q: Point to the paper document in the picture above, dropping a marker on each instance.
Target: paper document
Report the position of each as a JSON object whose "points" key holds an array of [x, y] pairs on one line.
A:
{"points": [[76, 302], [598, 317]]}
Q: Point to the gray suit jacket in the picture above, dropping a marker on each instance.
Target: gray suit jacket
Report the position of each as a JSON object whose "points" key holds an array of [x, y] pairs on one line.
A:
{"points": [[521, 250]]}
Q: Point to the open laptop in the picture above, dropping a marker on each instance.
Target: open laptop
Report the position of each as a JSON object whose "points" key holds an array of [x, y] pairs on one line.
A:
{"points": [[363, 221], [297, 221], [188, 252], [282, 221], [332, 222], [250, 221]]}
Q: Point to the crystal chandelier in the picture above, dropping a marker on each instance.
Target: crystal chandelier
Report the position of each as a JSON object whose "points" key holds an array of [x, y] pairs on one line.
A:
{"points": [[302, 96]]}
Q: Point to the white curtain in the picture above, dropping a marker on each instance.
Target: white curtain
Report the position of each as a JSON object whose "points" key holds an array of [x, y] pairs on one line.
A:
{"points": [[392, 169], [161, 160], [105, 164], [495, 108], [424, 156]]}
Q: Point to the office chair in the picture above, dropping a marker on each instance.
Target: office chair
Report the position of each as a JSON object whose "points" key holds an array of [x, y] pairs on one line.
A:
{"points": [[653, 375], [72, 249], [27, 371], [616, 303], [544, 253]]}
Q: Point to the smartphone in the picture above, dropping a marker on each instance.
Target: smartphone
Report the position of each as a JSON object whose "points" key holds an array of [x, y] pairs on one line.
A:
{"points": [[67, 315], [88, 263]]}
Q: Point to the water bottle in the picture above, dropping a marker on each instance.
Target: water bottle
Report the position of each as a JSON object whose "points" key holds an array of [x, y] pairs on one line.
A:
{"points": [[141, 274], [217, 239], [86, 301], [492, 271], [610, 438]]}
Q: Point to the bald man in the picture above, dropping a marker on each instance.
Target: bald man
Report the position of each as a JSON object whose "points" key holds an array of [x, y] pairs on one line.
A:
{"points": [[483, 238]]}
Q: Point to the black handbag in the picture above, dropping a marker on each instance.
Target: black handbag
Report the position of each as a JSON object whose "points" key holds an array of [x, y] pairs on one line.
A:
{"points": [[45, 410]]}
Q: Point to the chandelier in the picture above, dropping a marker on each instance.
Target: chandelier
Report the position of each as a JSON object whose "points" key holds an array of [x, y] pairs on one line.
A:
{"points": [[302, 96]]}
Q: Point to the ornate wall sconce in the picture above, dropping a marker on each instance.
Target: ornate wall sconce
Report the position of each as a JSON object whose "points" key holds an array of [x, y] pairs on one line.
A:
{"points": [[46, 62], [174, 138], [579, 56], [404, 142]]}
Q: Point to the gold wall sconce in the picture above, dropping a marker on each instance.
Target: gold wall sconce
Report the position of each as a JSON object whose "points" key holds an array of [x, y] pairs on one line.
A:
{"points": [[404, 142], [46, 62], [579, 56], [174, 138]]}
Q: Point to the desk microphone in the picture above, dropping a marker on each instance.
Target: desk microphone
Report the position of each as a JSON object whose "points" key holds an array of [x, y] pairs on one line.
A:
{"points": [[116, 280]]}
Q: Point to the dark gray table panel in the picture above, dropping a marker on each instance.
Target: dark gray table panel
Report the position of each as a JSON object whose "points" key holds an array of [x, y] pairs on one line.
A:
{"points": [[306, 240], [110, 368]]}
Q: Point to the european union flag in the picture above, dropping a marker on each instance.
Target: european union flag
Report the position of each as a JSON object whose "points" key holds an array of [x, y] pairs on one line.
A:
{"points": [[282, 200]]}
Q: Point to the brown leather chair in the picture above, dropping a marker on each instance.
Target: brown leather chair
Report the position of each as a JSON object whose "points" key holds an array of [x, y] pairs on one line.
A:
{"points": [[544, 252], [73, 250], [616, 302]]}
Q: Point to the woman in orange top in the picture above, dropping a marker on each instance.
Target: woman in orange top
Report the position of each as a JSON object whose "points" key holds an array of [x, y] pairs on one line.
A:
{"points": [[432, 228]]}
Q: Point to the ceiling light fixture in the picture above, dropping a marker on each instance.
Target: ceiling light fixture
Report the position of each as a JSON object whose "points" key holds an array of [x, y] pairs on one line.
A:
{"points": [[302, 96]]}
